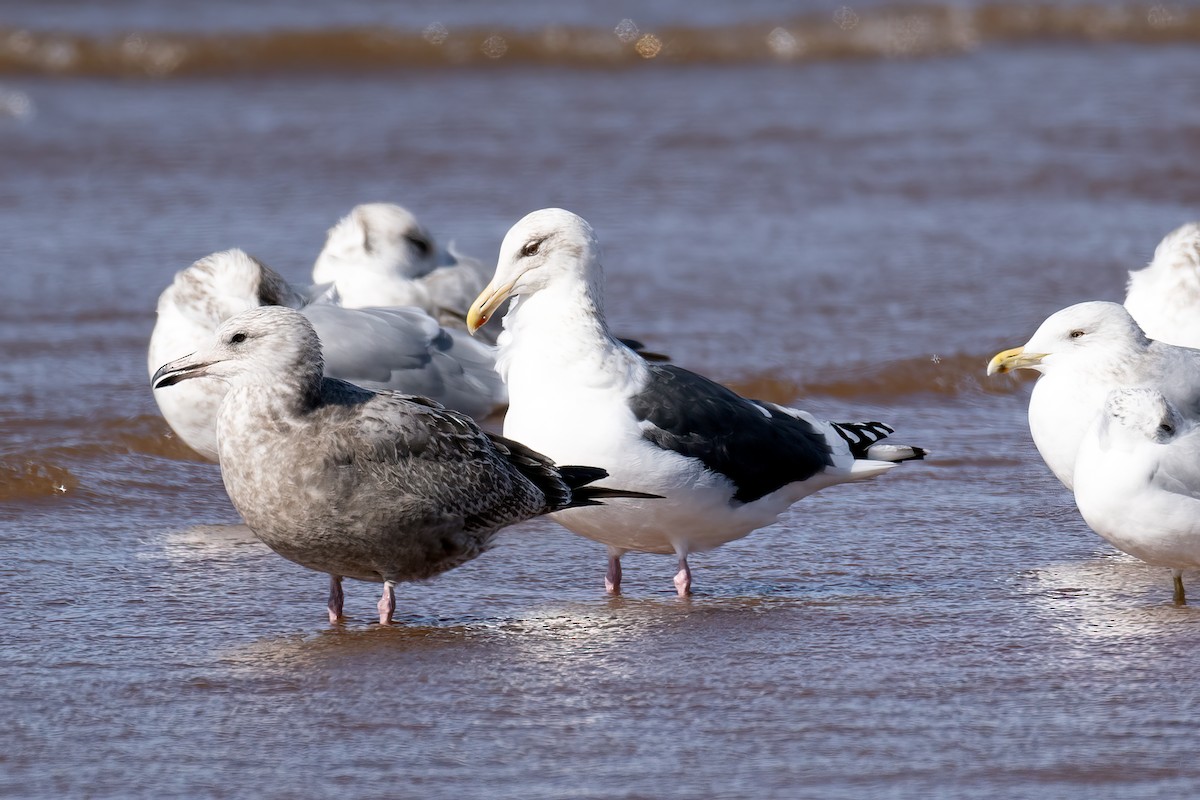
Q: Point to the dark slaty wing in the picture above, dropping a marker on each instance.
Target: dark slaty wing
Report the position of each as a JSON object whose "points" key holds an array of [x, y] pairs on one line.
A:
{"points": [[758, 447]]}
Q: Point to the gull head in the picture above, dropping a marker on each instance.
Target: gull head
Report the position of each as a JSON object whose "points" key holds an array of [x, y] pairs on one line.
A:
{"points": [[1094, 335], [1178, 253], [1143, 412], [272, 344], [224, 284], [378, 238], [546, 246]]}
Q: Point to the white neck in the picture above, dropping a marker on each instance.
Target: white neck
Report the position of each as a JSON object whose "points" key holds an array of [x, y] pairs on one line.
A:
{"points": [[560, 331]]}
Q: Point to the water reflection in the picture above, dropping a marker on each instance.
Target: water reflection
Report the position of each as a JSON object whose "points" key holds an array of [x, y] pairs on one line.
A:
{"points": [[1111, 596]]}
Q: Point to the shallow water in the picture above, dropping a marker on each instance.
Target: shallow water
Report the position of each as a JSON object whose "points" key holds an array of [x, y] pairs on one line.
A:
{"points": [[855, 235]]}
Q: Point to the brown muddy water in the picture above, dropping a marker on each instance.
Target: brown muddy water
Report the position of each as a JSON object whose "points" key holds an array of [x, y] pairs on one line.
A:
{"points": [[854, 223]]}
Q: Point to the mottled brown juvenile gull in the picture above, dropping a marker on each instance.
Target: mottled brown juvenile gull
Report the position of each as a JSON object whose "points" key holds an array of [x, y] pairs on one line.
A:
{"points": [[376, 486], [1164, 297], [399, 348], [725, 464], [1084, 352]]}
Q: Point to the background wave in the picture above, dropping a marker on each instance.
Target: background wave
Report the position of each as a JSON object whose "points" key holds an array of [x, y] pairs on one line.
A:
{"points": [[924, 30]]}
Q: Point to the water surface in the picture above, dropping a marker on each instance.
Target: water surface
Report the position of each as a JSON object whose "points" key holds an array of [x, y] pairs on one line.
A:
{"points": [[853, 233]]}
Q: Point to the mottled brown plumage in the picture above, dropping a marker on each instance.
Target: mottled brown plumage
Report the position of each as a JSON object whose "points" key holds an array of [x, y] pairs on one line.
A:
{"points": [[377, 486]]}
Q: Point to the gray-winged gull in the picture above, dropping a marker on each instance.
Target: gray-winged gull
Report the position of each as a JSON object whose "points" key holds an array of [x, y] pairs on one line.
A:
{"points": [[380, 255], [1083, 352], [725, 464], [1164, 297], [381, 348], [1137, 480], [375, 486]]}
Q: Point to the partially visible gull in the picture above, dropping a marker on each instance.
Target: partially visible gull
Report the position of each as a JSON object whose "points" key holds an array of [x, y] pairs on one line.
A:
{"points": [[380, 255], [1083, 352], [1137, 480], [381, 348], [375, 486], [1164, 297], [725, 464]]}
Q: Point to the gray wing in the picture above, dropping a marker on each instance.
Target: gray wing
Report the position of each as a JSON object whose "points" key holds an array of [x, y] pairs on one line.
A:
{"points": [[405, 349], [453, 286], [1179, 465], [445, 459]]}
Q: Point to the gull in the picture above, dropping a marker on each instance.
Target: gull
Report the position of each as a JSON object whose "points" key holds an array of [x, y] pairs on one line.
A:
{"points": [[380, 255], [382, 348], [1164, 297], [374, 486], [726, 465], [1083, 352], [1137, 480]]}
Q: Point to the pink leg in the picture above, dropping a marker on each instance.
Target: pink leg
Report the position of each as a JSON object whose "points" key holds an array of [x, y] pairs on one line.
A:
{"points": [[387, 603], [335, 599], [612, 579], [683, 578]]}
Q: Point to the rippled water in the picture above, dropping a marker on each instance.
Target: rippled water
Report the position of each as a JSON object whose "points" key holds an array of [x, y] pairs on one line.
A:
{"points": [[855, 236]]}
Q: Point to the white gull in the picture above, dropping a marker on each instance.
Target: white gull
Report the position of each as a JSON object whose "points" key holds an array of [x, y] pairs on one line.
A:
{"points": [[1164, 296], [1137, 480], [1083, 352], [380, 255]]}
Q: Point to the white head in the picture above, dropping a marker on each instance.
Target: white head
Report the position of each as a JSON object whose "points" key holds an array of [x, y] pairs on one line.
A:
{"points": [[1144, 413], [544, 248], [378, 238], [268, 345], [227, 283], [1096, 336], [1178, 255]]}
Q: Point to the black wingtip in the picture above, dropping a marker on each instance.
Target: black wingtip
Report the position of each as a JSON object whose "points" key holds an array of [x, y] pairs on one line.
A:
{"points": [[578, 478], [640, 349]]}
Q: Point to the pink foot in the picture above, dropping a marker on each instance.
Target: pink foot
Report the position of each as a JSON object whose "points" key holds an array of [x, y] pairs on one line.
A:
{"points": [[612, 579], [387, 603], [335, 599], [683, 578]]}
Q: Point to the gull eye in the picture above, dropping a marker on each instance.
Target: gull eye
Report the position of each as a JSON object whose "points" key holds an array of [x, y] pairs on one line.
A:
{"points": [[1075, 334], [1166, 427], [422, 245], [237, 338], [531, 248]]}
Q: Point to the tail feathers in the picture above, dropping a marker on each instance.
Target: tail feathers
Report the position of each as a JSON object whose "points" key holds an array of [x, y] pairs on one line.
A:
{"points": [[577, 479], [886, 451], [865, 440]]}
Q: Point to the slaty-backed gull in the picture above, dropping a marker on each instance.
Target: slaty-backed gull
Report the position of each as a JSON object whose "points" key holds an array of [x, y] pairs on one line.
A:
{"points": [[726, 465], [1083, 352], [375, 486], [1137, 480], [392, 348], [1164, 297]]}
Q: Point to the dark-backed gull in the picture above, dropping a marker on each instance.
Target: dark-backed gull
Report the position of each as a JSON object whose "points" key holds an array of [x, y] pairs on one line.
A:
{"points": [[726, 465]]}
